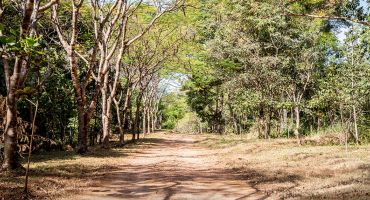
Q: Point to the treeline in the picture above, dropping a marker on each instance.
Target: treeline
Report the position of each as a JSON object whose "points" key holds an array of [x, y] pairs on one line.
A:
{"points": [[95, 68], [283, 68], [91, 67]]}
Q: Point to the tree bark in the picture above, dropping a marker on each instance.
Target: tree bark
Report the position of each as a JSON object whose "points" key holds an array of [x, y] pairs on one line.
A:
{"points": [[144, 121], [120, 125], [105, 113], [13, 82], [268, 124], [148, 120], [153, 120], [137, 118], [232, 114], [11, 158], [297, 124], [284, 120], [355, 124], [83, 127], [126, 108]]}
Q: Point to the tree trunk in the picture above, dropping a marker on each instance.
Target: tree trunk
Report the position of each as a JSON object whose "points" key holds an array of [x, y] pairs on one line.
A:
{"points": [[160, 122], [283, 120], [342, 125], [137, 118], [144, 121], [291, 122], [153, 120], [83, 127], [83, 115], [355, 124], [261, 122], [105, 113], [120, 125], [297, 124], [126, 107], [148, 119], [232, 114], [11, 158], [268, 124]]}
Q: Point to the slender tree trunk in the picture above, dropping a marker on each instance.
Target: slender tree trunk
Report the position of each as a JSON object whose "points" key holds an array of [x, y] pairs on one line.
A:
{"points": [[153, 120], [160, 122], [268, 124], [353, 98], [71, 135], [355, 123], [137, 118], [120, 125], [261, 122], [232, 114], [105, 112], [144, 121], [342, 125], [30, 147], [284, 120], [125, 113], [148, 120], [291, 122], [62, 133], [297, 124]]}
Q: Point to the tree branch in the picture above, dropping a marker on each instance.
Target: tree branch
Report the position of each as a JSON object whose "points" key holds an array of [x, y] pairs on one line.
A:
{"points": [[48, 5], [341, 18]]}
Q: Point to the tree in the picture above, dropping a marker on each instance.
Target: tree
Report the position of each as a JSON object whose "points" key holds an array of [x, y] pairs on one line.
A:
{"points": [[21, 51], [110, 25]]}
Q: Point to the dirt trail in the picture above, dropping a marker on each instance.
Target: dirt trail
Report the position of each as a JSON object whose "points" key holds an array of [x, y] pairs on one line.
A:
{"points": [[172, 168]]}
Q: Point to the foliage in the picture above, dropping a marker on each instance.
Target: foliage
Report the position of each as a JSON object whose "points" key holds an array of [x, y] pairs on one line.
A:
{"points": [[173, 107], [260, 66]]}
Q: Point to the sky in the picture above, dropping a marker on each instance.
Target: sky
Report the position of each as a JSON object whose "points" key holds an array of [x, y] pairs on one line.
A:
{"points": [[173, 83], [341, 33]]}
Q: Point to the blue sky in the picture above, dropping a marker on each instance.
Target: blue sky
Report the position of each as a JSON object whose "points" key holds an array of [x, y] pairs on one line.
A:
{"points": [[341, 34]]}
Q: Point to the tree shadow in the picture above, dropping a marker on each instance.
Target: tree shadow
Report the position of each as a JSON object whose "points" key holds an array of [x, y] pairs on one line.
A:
{"points": [[97, 151], [144, 181]]}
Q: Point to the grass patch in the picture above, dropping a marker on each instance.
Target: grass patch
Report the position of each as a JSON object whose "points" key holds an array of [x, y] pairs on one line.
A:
{"points": [[61, 173], [283, 169]]}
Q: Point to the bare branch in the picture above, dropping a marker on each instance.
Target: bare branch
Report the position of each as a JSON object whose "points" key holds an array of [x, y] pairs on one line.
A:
{"points": [[48, 5], [147, 28], [83, 58], [56, 25]]}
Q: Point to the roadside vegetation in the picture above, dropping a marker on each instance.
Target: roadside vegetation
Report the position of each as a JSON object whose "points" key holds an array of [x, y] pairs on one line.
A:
{"points": [[280, 84]]}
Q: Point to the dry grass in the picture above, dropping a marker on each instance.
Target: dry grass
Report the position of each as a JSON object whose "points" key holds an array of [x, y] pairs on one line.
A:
{"points": [[279, 168], [56, 174], [283, 169]]}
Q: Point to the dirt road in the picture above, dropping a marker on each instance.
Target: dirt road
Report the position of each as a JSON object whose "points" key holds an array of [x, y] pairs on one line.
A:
{"points": [[172, 168]]}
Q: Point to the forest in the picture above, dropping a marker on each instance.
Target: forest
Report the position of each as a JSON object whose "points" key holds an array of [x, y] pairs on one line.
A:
{"points": [[97, 79]]}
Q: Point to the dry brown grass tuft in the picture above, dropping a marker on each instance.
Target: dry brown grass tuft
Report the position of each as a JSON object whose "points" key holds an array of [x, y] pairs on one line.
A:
{"points": [[283, 169]]}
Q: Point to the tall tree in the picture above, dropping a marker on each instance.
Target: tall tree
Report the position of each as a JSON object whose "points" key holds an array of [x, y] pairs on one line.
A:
{"points": [[19, 53]]}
